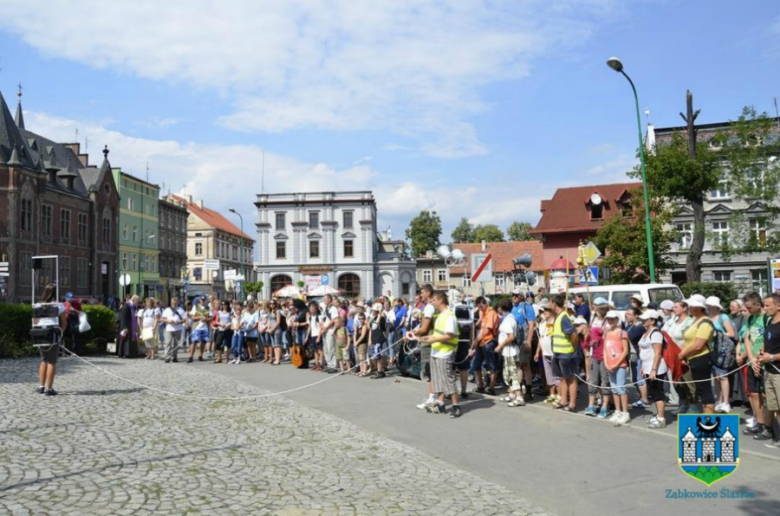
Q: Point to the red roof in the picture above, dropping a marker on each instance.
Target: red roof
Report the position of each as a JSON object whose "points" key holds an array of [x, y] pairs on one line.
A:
{"points": [[503, 254], [569, 209], [212, 218]]}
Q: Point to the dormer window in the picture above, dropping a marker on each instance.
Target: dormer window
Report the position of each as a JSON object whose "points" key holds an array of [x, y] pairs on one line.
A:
{"points": [[596, 207]]}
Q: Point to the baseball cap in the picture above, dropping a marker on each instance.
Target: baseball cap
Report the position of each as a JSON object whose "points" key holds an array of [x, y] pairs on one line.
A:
{"points": [[612, 314], [69, 295], [638, 297], [377, 307], [600, 301], [650, 314], [530, 294], [579, 320], [667, 304], [517, 292]]}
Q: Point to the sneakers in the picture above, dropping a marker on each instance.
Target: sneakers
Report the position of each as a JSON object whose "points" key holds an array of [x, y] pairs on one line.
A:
{"points": [[200, 359], [378, 376], [41, 389], [50, 392], [425, 403], [517, 402], [464, 395], [753, 430], [189, 360], [436, 408], [603, 413], [623, 419], [657, 423], [723, 408], [639, 404], [456, 412], [774, 444], [590, 411], [490, 391], [764, 435], [615, 416]]}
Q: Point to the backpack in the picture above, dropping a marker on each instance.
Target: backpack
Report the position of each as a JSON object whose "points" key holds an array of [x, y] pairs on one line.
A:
{"points": [[671, 356], [722, 349], [519, 332]]}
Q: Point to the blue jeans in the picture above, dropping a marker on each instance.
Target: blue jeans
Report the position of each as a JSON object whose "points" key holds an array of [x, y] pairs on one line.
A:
{"points": [[301, 338], [484, 356], [617, 380], [237, 344]]}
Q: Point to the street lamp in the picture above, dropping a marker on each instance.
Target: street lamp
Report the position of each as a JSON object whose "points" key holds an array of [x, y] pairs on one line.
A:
{"points": [[241, 254], [617, 65]]}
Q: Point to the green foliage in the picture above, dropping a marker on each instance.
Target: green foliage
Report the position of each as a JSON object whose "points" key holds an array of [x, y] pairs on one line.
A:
{"points": [[623, 241], [463, 232], [488, 233], [424, 231], [300, 283], [725, 291], [103, 323], [519, 231], [706, 475], [253, 287]]}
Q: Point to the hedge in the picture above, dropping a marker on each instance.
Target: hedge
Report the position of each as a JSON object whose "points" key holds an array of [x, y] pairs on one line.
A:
{"points": [[725, 291], [16, 322]]}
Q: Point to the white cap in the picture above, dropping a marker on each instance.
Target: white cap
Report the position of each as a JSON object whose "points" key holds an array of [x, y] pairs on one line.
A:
{"points": [[599, 301], [570, 306], [579, 320], [697, 301], [612, 314], [638, 297], [667, 304], [517, 292], [713, 301], [377, 307], [360, 304], [649, 314]]}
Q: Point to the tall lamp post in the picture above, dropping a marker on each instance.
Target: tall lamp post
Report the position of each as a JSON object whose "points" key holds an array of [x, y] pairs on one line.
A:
{"points": [[241, 254], [615, 64]]}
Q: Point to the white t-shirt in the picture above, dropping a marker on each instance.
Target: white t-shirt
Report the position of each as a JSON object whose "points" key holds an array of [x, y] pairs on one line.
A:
{"points": [[333, 314], [647, 353], [505, 330], [223, 318], [451, 326], [428, 311], [176, 314], [545, 339], [204, 311], [676, 330], [314, 323], [149, 317]]}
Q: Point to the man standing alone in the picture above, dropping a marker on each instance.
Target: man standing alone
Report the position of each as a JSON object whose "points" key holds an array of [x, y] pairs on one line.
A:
{"points": [[443, 342], [173, 317]]}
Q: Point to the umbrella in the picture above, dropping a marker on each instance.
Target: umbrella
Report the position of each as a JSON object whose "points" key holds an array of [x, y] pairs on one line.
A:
{"points": [[322, 290], [288, 291]]}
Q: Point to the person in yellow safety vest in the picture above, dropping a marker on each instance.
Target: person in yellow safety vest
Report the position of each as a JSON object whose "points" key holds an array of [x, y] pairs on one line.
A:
{"points": [[443, 342], [425, 328], [564, 363]]}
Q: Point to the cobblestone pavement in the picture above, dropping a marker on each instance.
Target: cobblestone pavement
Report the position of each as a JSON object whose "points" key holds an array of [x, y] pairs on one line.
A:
{"points": [[107, 447]]}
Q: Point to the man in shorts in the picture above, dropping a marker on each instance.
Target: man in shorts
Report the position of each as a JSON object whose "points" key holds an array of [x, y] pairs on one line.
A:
{"points": [[564, 364], [443, 342], [484, 350], [465, 340], [769, 358], [754, 343], [201, 317], [425, 328]]}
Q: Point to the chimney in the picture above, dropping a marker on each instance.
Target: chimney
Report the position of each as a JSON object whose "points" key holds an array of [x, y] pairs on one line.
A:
{"points": [[189, 198], [75, 147], [200, 203], [84, 159]]}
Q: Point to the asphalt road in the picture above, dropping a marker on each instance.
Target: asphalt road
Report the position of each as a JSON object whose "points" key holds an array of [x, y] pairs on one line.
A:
{"points": [[568, 464]]}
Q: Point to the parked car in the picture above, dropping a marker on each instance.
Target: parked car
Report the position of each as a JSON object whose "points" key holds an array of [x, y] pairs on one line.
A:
{"points": [[620, 295]]}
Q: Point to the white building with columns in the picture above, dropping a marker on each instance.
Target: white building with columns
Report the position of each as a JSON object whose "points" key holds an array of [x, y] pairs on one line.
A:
{"points": [[329, 238]]}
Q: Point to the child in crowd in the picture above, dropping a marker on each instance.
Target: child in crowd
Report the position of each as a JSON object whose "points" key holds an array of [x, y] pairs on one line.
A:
{"points": [[342, 345], [599, 376], [616, 349], [545, 353]]}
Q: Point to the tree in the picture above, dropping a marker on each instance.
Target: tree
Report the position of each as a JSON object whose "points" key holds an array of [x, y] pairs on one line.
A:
{"points": [[463, 232], [488, 233], [424, 231], [623, 242], [519, 231]]}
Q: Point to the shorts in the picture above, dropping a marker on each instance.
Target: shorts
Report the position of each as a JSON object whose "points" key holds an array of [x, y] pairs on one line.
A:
{"points": [[315, 342], [701, 371], [342, 353], [201, 335], [251, 341], [222, 338], [617, 379], [772, 389], [378, 350], [485, 357], [461, 362], [717, 371], [655, 388], [49, 355], [755, 384], [361, 352], [524, 354], [552, 380], [599, 376], [443, 376], [276, 339], [564, 365]]}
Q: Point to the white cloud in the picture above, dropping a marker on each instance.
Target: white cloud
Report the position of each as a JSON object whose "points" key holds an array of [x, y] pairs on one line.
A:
{"points": [[613, 170], [410, 66]]}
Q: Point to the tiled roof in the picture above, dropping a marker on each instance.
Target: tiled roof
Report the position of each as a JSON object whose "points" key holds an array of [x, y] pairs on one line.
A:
{"points": [[503, 254], [212, 218], [569, 209]]}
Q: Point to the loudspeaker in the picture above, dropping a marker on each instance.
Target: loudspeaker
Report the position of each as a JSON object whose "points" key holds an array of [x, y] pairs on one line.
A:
{"points": [[37, 264]]}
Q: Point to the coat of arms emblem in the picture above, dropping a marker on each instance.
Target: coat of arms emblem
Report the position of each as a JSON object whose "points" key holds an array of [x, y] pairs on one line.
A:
{"points": [[708, 447]]}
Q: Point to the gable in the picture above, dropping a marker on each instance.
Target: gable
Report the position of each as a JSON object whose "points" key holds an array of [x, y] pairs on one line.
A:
{"points": [[348, 234]]}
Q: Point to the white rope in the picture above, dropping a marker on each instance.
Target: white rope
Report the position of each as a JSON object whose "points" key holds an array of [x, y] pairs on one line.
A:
{"points": [[681, 382]]}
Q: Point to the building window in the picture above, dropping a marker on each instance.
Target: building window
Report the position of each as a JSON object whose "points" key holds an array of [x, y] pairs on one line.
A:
{"points": [[758, 231], [314, 249], [722, 276], [280, 222], [314, 220], [124, 232], [162, 242], [198, 249], [427, 276], [349, 249], [26, 269], [45, 275], [441, 275], [466, 280], [65, 225], [81, 273], [350, 285], [124, 261], [405, 287], [720, 231], [722, 190], [135, 233], [106, 230], [26, 222], [82, 227], [500, 280], [685, 234], [130, 204], [348, 220], [597, 211], [626, 209], [46, 216], [135, 262], [760, 280], [64, 271], [279, 282], [235, 252], [281, 250]]}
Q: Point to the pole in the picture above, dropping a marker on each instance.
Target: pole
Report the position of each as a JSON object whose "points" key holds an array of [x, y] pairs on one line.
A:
{"points": [[648, 227]]}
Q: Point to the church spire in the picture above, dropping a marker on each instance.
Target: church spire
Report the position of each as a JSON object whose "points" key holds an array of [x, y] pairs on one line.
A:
{"points": [[19, 115]]}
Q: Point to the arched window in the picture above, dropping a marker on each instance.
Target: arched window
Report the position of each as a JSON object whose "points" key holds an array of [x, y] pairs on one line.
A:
{"points": [[350, 285], [280, 281]]}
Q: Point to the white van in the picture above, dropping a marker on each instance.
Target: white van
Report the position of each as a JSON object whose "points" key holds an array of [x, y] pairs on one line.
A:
{"points": [[620, 295]]}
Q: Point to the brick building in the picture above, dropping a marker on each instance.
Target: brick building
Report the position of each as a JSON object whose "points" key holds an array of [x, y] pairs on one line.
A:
{"points": [[173, 249], [53, 202]]}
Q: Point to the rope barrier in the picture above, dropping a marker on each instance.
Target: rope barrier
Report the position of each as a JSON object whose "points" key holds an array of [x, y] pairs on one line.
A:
{"points": [[645, 380]]}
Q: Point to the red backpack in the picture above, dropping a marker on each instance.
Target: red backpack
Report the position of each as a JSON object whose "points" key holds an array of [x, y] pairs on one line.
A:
{"points": [[671, 355]]}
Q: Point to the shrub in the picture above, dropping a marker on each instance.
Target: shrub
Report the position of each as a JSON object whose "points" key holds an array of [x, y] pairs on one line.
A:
{"points": [[102, 320], [725, 291]]}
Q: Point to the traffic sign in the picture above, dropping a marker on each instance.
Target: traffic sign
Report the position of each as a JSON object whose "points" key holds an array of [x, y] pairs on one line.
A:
{"points": [[230, 274], [592, 253], [124, 280], [211, 265], [325, 280], [481, 267], [589, 275]]}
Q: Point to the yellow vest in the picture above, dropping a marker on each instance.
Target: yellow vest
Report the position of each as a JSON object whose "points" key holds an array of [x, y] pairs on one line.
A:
{"points": [[560, 341], [439, 325]]}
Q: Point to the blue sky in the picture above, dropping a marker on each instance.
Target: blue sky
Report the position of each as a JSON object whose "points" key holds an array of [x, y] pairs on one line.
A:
{"points": [[477, 108]]}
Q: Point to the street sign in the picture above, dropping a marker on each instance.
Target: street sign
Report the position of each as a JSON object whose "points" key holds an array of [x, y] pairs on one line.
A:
{"points": [[5, 274], [325, 280], [592, 253], [589, 276], [230, 274], [124, 280], [481, 267], [239, 278], [211, 265]]}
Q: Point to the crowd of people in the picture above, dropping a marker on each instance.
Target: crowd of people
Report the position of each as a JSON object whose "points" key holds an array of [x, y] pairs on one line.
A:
{"points": [[694, 353]]}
